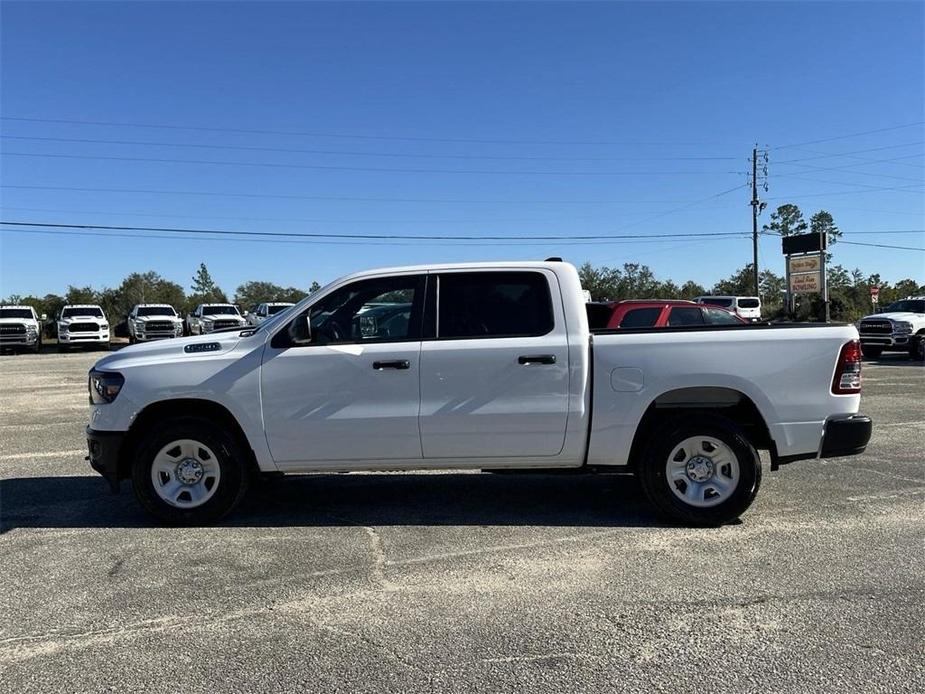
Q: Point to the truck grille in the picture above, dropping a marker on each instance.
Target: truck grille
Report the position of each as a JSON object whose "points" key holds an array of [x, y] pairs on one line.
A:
{"points": [[159, 327], [877, 327], [83, 327], [222, 324], [12, 329]]}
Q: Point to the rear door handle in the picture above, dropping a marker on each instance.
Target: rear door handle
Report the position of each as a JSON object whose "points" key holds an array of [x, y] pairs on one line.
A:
{"points": [[394, 364], [537, 359]]}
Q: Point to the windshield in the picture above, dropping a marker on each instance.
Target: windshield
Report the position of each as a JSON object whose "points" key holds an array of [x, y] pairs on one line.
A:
{"points": [[15, 313], [156, 311], [749, 303], [82, 311], [907, 306], [717, 301], [219, 309], [273, 310]]}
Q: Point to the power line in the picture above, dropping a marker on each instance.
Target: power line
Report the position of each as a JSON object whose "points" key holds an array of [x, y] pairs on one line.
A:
{"points": [[430, 237], [279, 196], [850, 135], [313, 220], [883, 245], [290, 150], [353, 136], [849, 169], [868, 189], [527, 241], [374, 169], [826, 155]]}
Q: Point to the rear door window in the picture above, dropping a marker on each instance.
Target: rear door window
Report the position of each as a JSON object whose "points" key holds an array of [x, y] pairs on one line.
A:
{"points": [[685, 315], [493, 304], [748, 303], [641, 317]]}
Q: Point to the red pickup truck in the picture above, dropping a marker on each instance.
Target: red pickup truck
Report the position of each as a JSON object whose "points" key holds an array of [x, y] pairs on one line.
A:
{"points": [[655, 313]]}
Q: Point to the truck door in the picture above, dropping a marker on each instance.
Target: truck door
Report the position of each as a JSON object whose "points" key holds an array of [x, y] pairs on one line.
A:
{"points": [[495, 376], [353, 392]]}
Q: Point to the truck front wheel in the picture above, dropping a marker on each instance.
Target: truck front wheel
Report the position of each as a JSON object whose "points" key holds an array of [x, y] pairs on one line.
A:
{"points": [[189, 471], [700, 469]]}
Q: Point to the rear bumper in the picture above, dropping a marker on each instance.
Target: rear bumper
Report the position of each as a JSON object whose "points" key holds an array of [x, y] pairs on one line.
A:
{"points": [[842, 435], [845, 436], [105, 448]]}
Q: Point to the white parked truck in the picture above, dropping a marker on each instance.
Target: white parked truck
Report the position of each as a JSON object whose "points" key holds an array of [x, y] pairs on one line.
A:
{"points": [[82, 324], [207, 318], [267, 310], [900, 327], [21, 328], [487, 366], [153, 322]]}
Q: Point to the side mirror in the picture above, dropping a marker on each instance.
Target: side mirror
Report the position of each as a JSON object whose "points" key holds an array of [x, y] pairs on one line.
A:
{"points": [[300, 330], [247, 313], [44, 317]]}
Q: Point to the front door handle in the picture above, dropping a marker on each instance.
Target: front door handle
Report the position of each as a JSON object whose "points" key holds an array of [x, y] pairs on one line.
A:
{"points": [[394, 364], [537, 359]]}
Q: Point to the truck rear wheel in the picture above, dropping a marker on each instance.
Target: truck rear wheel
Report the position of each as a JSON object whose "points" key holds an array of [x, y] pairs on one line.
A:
{"points": [[871, 351], [701, 470], [189, 471]]}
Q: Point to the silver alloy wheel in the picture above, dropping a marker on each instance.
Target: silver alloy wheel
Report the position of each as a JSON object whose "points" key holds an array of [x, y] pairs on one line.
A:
{"points": [[185, 473], [702, 471]]}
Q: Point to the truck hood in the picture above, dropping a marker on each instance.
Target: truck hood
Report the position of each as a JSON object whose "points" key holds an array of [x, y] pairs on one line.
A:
{"points": [[82, 319], [906, 316], [173, 350], [18, 321], [163, 317], [222, 316]]}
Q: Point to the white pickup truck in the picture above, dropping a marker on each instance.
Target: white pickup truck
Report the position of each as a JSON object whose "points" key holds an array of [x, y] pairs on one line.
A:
{"points": [[900, 327], [207, 318], [21, 327], [153, 322], [263, 312], [486, 366], [80, 325]]}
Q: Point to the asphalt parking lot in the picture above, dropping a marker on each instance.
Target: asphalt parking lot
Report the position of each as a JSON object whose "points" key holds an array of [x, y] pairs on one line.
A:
{"points": [[452, 582]]}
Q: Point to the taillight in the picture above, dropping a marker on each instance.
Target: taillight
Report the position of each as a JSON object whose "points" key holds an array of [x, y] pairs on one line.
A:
{"points": [[847, 379]]}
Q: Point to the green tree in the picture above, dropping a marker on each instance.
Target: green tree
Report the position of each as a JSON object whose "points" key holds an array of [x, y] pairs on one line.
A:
{"points": [[255, 292], [81, 295], [691, 290], [314, 288], [823, 223], [205, 290], [786, 220]]}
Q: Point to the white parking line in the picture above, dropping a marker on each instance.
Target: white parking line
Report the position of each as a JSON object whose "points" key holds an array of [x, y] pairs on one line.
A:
{"points": [[52, 454]]}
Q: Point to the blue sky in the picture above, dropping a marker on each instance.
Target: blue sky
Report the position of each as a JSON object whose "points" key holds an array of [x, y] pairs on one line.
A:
{"points": [[451, 119]]}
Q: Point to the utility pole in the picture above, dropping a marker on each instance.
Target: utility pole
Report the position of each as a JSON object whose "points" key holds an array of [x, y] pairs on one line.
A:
{"points": [[755, 204], [757, 207]]}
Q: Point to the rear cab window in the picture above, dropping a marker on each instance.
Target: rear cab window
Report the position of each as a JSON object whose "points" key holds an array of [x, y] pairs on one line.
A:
{"points": [[472, 305]]}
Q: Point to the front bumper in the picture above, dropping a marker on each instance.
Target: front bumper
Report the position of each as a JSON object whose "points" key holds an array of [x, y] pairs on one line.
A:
{"points": [[23, 340], [845, 436], [83, 338], [898, 340], [105, 448]]}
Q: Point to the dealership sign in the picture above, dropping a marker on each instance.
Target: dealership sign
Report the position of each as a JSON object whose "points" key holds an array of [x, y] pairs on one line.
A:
{"points": [[806, 282], [804, 263]]}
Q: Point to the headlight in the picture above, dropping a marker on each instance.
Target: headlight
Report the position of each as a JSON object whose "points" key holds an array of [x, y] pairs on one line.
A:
{"points": [[104, 386], [903, 327], [62, 327], [104, 326]]}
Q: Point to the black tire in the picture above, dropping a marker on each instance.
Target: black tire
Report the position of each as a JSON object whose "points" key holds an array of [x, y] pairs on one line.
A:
{"points": [[871, 351], [63, 348], [654, 478], [131, 339], [230, 455], [917, 348], [38, 345]]}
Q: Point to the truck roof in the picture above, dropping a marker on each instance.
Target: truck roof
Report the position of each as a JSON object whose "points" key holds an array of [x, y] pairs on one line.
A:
{"points": [[438, 267], [81, 306], [155, 305], [15, 306]]}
